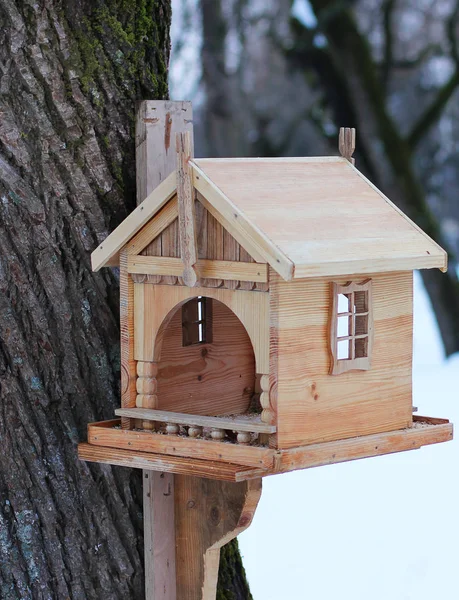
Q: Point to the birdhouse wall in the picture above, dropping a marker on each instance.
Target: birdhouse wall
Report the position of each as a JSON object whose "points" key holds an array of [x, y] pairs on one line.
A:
{"points": [[315, 406]]}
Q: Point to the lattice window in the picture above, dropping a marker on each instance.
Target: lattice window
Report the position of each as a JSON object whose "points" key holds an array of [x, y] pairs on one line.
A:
{"points": [[197, 321], [351, 327]]}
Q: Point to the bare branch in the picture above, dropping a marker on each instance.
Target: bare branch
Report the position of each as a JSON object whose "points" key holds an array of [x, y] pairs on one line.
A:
{"points": [[388, 10], [434, 111]]}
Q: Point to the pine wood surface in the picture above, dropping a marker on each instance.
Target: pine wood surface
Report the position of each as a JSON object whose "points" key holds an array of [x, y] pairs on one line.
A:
{"points": [[207, 379], [154, 303], [233, 423], [106, 433], [187, 219], [152, 230], [159, 535], [424, 431], [313, 406], [215, 269], [433, 431], [208, 515], [168, 464], [128, 365], [321, 216]]}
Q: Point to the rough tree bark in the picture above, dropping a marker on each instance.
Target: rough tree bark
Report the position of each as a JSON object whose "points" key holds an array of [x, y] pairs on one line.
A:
{"points": [[71, 73]]}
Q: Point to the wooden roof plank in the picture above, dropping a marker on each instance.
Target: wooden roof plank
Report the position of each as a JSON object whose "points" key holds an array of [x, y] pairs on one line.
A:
{"points": [[134, 222]]}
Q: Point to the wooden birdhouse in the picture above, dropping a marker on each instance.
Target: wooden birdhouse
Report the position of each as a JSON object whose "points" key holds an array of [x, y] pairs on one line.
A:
{"points": [[266, 319]]}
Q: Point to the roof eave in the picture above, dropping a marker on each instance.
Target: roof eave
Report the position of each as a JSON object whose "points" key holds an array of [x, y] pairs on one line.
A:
{"points": [[107, 253], [439, 260]]}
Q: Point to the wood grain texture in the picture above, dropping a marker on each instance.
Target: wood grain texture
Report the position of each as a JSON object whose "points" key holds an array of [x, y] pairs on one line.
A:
{"points": [[313, 406], [208, 514], [186, 201], [215, 234], [230, 253], [128, 364], [157, 125], [433, 431], [207, 379], [293, 211], [159, 535], [168, 464], [233, 271], [233, 423], [153, 304], [141, 242], [107, 433]]}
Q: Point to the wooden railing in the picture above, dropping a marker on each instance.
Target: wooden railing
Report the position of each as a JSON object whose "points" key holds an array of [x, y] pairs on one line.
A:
{"points": [[247, 427]]}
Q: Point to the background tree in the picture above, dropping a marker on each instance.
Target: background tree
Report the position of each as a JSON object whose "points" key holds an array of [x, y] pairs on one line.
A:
{"points": [[71, 74], [279, 77]]}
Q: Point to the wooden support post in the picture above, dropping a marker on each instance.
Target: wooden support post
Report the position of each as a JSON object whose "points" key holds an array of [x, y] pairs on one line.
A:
{"points": [[186, 519], [157, 124], [208, 514], [159, 535]]}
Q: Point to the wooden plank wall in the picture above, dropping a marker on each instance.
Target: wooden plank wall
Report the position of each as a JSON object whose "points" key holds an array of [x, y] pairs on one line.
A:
{"points": [[214, 242], [216, 378], [314, 406]]}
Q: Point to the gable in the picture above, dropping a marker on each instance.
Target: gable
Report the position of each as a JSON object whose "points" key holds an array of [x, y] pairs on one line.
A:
{"points": [[218, 253]]}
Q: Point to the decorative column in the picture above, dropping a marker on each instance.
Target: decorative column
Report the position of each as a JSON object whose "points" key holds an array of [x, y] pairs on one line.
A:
{"points": [[147, 386], [267, 415]]}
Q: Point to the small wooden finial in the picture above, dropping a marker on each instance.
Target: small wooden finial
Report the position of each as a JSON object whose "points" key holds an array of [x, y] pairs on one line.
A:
{"points": [[347, 143]]}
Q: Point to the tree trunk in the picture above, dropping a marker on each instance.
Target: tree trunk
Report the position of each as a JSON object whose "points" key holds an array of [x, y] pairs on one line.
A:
{"points": [[71, 73]]}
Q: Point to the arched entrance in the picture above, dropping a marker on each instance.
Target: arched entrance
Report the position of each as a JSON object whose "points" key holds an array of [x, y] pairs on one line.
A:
{"points": [[206, 363]]}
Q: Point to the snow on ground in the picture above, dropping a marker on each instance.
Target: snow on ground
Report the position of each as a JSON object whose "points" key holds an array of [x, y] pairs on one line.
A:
{"points": [[383, 528]]}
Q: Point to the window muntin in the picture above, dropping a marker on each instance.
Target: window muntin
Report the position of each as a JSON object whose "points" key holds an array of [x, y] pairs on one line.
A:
{"points": [[197, 321], [351, 327]]}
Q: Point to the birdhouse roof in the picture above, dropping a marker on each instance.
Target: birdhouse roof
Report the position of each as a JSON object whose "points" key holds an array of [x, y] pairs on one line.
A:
{"points": [[306, 217]]}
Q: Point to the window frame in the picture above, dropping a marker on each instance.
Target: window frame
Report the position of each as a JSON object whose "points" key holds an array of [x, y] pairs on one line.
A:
{"points": [[191, 321], [352, 363]]}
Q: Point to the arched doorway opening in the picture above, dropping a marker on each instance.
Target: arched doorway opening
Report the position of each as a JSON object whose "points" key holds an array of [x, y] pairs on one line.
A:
{"points": [[206, 362]]}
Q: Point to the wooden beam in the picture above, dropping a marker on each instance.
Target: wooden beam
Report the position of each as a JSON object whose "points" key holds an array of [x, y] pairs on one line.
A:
{"points": [[128, 364], [168, 464], [208, 515], [236, 423], [152, 229], [187, 219], [159, 507], [108, 433], [424, 431], [110, 248], [218, 269], [157, 123]]}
